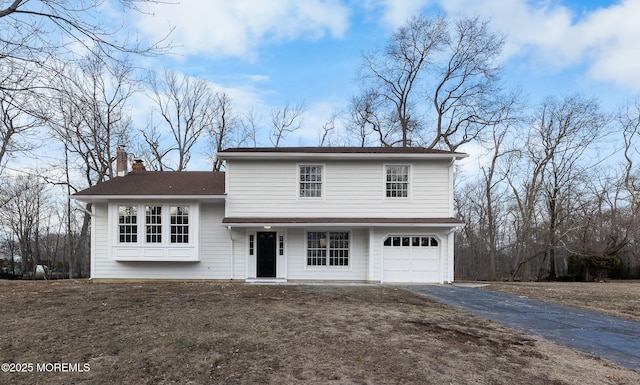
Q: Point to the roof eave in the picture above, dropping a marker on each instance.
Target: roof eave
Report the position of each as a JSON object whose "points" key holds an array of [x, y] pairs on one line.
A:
{"points": [[333, 222], [107, 198], [315, 155], [354, 224]]}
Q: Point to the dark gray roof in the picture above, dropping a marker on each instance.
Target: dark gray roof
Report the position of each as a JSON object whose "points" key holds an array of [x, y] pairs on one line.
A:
{"points": [[341, 150], [160, 183]]}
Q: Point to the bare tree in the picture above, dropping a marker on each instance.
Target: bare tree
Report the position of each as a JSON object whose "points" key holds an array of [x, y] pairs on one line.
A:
{"points": [[249, 123], [229, 129], [27, 39], [629, 120], [16, 124], [89, 115], [452, 65], [492, 178], [559, 133], [396, 73], [39, 39], [285, 120], [327, 129], [483, 203], [22, 214], [467, 96], [364, 121], [188, 107]]}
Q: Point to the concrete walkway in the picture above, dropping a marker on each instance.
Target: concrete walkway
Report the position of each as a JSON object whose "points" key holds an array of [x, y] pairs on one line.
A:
{"points": [[610, 338]]}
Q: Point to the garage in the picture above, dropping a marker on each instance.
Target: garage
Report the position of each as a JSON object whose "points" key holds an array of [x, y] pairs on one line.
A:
{"points": [[411, 258]]}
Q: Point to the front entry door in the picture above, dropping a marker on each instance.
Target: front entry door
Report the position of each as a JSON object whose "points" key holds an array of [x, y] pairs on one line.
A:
{"points": [[266, 254]]}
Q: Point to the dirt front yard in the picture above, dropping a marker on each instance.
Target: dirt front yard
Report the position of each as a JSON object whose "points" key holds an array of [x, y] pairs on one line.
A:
{"points": [[619, 298], [75, 332]]}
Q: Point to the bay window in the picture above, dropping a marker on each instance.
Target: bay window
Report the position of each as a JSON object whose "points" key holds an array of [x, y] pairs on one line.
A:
{"points": [[160, 224]]}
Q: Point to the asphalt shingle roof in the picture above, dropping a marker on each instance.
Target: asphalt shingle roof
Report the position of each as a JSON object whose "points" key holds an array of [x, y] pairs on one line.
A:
{"points": [[341, 150], [160, 183]]}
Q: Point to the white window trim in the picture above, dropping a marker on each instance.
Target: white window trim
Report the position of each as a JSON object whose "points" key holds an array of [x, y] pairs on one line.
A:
{"points": [[411, 235], [281, 259], [328, 266], [323, 182], [409, 182], [162, 225], [154, 251]]}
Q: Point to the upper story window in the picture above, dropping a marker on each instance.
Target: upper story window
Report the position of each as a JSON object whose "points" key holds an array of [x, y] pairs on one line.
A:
{"points": [[397, 181], [128, 224], [310, 181]]}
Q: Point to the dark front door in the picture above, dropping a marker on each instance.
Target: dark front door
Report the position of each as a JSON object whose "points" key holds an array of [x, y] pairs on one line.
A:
{"points": [[266, 254]]}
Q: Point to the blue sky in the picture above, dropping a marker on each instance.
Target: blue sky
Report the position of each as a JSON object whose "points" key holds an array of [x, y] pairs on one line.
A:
{"points": [[265, 53]]}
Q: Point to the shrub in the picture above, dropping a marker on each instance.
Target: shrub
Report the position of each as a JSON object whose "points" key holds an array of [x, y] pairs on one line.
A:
{"points": [[594, 267]]}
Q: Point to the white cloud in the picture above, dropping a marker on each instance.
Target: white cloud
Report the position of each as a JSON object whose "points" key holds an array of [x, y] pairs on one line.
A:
{"points": [[222, 28], [315, 117], [611, 36], [257, 78], [396, 13], [554, 37]]}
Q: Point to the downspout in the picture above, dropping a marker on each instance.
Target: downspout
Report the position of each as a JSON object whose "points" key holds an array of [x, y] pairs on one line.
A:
{"points": [[451, 252], [371, 272], [450, 256], [231, 239], [450, 234], [451, 186], [93, 247]]}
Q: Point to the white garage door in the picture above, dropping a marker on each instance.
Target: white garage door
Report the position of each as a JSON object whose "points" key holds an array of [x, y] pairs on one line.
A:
{"points": [[411, 258]]}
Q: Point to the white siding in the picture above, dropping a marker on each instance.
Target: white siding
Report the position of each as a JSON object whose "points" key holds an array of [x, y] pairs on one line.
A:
{"points": [[441, 233], [239, 252], [357, 270], [214, 251], [269, 188], [101, 238], [351, 189]]}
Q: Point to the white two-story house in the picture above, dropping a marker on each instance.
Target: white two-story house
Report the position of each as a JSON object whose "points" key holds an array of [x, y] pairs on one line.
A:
{"points": [[282, 214]]}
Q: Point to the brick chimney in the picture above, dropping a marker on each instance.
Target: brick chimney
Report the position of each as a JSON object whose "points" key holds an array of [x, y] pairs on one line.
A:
{"points": [[138, 165], [122, 163]]}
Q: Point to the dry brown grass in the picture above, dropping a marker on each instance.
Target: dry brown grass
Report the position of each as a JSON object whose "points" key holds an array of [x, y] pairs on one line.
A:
{"points": [[619, 298], [203, 333]]}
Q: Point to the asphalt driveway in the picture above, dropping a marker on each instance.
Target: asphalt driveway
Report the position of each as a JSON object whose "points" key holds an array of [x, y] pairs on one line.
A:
{"points": [[607, 337]]}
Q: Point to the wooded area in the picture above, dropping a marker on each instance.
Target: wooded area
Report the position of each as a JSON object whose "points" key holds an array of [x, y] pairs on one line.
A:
{"points": [[555, 194]]}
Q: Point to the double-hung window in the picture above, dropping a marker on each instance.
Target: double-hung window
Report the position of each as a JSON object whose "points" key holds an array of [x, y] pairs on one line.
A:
{"points": [[154, 224], [397, 181], [310, 181], [179, 224], [128, 224], [328, 248]]}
